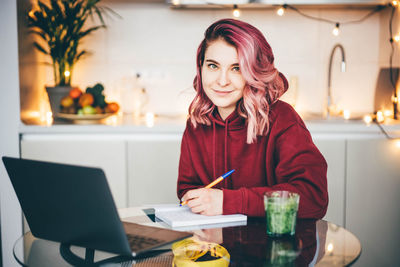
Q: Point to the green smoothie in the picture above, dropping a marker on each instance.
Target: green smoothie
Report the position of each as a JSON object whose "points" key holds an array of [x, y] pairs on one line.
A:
{"points": [[281, 212]]}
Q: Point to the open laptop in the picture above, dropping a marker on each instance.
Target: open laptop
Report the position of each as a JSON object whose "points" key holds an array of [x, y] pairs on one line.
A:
{"points": [[73, 205]]}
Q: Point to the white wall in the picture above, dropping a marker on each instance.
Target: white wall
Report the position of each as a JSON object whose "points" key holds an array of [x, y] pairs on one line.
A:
{"points": [[161, 43], [11, 218]]}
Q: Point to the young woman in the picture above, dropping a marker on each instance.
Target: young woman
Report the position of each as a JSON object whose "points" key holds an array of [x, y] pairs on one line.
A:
{"points": [[237, 122]]}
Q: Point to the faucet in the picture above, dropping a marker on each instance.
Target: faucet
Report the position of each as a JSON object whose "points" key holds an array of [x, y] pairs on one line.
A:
{"points": [[343, 68]]}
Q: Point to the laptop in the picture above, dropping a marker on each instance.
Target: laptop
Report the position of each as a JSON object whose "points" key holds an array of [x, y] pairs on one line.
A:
{"points": [[73, 205]]}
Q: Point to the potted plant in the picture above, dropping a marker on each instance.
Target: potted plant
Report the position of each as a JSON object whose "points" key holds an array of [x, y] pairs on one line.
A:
{"points": [[61, 28]]}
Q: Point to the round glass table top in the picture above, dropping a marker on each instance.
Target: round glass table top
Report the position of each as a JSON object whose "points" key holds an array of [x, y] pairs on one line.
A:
{"points": [[316, 243]]}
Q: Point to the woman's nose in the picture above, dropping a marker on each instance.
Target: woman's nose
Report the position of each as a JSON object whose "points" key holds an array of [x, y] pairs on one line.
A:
{"points": [[223, 78]]}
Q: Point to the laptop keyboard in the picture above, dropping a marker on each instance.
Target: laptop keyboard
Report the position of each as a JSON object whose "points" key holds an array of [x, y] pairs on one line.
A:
{"points": [[141, 242]]}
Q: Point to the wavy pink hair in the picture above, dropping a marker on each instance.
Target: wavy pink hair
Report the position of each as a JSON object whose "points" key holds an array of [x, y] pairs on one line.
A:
{"points": [[264, 83]]}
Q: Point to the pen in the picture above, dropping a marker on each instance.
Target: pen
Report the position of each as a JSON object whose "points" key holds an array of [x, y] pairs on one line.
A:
{"points": [[216, 181]]}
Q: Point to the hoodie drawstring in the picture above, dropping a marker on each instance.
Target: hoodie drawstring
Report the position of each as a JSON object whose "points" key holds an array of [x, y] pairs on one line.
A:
{"points": [[214, 158], [226, 152]]}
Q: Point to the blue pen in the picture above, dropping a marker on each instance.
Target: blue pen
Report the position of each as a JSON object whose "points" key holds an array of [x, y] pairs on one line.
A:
{"points": [[216, 181]]}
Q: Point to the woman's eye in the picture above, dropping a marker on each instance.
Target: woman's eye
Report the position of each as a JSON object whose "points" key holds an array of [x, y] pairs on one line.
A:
{"points": [[212, 66], [236, 69]]}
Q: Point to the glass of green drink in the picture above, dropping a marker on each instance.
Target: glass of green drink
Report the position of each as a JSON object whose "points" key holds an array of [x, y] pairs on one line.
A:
{"points": [[281, 212]]}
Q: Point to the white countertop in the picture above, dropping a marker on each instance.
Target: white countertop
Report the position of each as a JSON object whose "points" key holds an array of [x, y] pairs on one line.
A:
{"points": [[176, 125]]}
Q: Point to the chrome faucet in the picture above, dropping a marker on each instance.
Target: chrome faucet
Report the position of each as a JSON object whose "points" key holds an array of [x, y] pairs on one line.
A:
{"points": [[343, 67]]}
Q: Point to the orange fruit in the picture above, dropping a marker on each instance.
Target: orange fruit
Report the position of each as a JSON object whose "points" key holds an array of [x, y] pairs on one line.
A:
{"points": [[99, 110], [75, 93], [66, 101], [112, 107], [86, 99]]}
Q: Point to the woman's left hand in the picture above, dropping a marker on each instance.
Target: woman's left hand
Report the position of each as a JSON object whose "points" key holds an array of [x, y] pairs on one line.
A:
{"points": [[205, 201]]}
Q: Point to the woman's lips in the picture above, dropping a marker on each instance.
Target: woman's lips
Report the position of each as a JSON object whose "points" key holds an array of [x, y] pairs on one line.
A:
{"points": [[222, 93]]}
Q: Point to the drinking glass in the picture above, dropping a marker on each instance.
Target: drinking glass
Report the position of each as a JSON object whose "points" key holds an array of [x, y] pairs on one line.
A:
{"points": [[281, 212]]}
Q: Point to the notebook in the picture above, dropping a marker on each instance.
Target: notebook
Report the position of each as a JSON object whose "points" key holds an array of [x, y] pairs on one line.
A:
{"points": [[178, 216], [73, 205]]}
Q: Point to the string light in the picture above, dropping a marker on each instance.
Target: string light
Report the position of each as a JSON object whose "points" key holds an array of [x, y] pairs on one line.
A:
{"points": [[396, 38], [150, 119], [346, 114], [398, 143], [336, 30], [367, 119], [379, 116], [236, 11], [387, 113], [329, 247], [280, 11], [67, 73], [395, 3]]}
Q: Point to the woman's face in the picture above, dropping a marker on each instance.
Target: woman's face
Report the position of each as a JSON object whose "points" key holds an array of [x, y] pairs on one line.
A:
{"points": [[222, 80]]}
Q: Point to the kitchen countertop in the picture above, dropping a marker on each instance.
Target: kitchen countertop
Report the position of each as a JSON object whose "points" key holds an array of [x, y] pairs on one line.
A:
{"points": [[176, 125]]}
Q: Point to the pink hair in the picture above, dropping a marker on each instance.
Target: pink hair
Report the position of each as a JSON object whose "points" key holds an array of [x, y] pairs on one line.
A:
{"points": [[264, 83]]}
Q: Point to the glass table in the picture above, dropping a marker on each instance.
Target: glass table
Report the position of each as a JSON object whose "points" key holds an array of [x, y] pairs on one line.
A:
{"points": [[316, 243]]}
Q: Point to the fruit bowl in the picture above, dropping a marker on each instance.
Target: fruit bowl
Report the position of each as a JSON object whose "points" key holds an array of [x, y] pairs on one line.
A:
{"points": [[83, 118]]}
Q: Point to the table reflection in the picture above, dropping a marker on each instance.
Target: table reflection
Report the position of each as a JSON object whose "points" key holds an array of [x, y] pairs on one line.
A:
{"points": [[316, 243]]}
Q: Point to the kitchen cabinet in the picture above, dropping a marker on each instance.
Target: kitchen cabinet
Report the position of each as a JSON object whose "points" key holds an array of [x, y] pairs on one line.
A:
{"points": [[102, 151], [372, 199], [334, 151], [153, 162]]}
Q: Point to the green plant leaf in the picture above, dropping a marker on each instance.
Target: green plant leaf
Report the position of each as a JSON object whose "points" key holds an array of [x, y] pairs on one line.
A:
{"points": [[60, 23], [40, 48]]}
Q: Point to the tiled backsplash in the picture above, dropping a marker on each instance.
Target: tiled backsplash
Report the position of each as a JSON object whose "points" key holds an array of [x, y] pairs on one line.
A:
{"points": [[161, 44]]}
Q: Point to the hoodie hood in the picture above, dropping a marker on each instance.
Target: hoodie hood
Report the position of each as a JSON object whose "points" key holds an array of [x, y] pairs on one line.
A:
{"points": [[234, 120]]}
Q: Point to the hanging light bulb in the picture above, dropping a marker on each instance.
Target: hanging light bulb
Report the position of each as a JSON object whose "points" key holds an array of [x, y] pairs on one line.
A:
{"points": [[236, 11], [280, 11], [336, 30]]}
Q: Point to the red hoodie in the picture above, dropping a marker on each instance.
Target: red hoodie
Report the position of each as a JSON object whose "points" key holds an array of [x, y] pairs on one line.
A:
{"points": [[285, 159]]}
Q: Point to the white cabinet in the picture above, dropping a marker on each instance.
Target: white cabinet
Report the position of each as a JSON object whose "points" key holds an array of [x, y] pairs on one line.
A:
{"points": [[153, 162], [373, 199], [104, 151], [334, 152]]}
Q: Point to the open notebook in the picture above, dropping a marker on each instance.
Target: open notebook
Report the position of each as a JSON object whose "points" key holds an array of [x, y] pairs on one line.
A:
{"points": [[180, 216]]}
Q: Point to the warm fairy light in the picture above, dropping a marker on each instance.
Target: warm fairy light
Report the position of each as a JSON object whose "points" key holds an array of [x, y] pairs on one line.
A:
{"points": [[379, 116], [329, 248], [387, 113], [395, 3], [336, 30], [49, 118], [149, 119], [67, 73], [236, 11], [398, 143], [367, 119], [280, 11], [175, 2], [346, 114], [395, 99], [396, 38]]}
